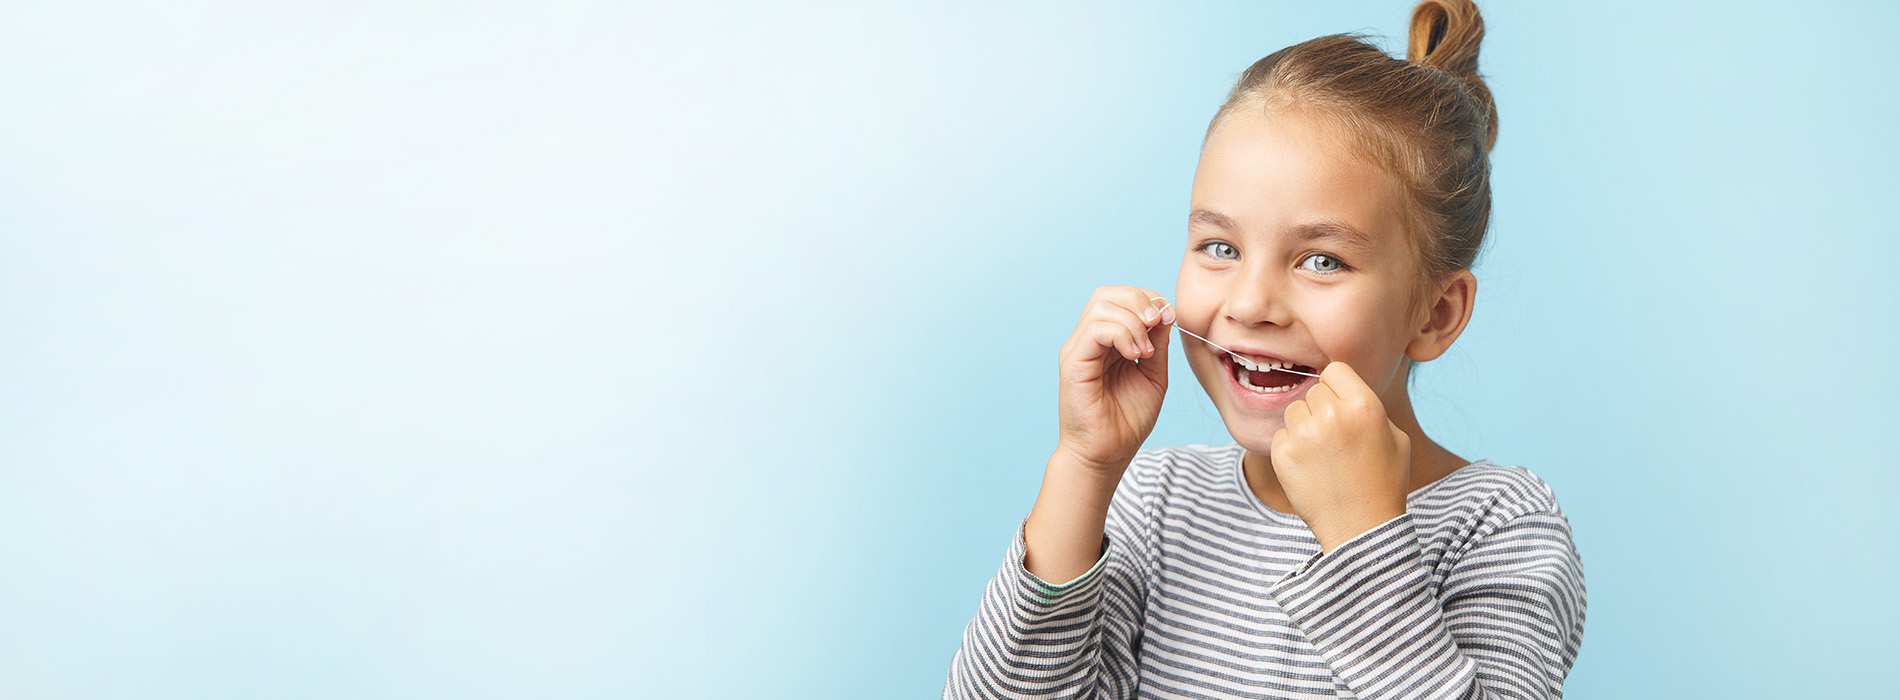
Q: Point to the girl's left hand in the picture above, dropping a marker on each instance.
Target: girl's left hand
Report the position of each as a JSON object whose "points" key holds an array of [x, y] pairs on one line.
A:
{"points": [[1345, 466]]}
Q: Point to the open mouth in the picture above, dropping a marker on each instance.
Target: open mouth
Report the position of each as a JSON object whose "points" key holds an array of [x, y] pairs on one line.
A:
{"points": [[1264, 377]]}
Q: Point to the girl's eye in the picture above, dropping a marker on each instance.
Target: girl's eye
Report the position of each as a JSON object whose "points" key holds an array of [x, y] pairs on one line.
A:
{"points": [[1334, 267], [1219, 246], [1225, 251]]}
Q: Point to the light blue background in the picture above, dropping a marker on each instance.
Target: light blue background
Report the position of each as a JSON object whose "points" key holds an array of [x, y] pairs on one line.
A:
{"points": [[567, 350]]}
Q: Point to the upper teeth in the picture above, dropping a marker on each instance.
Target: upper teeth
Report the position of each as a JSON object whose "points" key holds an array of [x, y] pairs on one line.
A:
{"points": [[1261, 366]]}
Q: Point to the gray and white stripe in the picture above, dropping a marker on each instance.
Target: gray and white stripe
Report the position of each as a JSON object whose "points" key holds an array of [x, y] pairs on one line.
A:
{"points": [[1205, 592]]}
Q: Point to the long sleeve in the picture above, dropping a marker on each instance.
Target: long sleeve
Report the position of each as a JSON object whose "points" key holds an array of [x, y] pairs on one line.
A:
{"points": [[1034, 639], [1507, 623]]}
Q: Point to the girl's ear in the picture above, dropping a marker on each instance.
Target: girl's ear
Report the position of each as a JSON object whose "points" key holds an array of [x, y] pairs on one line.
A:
{"points": [[1446, 318]]}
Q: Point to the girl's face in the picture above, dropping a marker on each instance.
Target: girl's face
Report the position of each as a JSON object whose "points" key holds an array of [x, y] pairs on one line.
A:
{"points": [[1274, 271]]}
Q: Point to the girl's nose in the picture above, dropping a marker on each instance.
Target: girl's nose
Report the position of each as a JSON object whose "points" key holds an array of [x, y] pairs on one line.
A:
{"points": [[1257, 298]]}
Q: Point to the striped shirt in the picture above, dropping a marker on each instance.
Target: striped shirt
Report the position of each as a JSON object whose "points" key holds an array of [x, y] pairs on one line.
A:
{"points": [[1203, 591]]}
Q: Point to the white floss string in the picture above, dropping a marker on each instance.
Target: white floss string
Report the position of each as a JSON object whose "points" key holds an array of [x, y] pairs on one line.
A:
{"points": [[1177, 326]]}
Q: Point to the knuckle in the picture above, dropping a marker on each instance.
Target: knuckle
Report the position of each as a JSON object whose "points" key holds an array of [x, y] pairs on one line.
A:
{"points": [[1362, 408]]}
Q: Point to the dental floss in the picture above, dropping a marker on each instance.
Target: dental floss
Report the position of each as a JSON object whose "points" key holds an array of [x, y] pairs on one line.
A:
{"points": [[1178, 327]]}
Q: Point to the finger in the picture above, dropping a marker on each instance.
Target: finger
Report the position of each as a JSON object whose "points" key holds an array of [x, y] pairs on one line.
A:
{"points": [[1098, 339], [1104, 311], [1157, 359], [1158, 338], [1097, 299], [1116, 334], [1135, 301], [1106, 308], [1296, 413], [1345, 383], [1320, 396], [1155, 309], [1143, 305], [1132, 320], [1154, 312], [1158, 333]]}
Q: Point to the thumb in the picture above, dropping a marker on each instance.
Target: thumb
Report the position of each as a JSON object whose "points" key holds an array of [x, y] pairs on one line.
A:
{"points": [[1159, 336]]}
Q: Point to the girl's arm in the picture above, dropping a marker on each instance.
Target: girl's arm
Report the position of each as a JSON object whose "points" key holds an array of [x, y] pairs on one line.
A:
{"points": [[1064, 529], [1032, 638], [1508, 622]]}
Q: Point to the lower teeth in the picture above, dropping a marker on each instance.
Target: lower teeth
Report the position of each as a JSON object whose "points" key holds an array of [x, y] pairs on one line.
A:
{"points": [[1246, 375]]}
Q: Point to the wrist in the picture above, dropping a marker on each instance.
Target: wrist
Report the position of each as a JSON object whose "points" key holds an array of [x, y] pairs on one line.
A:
{"points": [[1334, 535], [1071, 460]]}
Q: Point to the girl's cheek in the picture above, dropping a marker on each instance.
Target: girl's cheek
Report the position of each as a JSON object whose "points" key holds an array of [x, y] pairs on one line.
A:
{"points": [[1194, 304], [1359, 339]]}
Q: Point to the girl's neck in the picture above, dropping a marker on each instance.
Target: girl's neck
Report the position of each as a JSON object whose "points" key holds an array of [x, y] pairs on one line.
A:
{"points": [[1430, 462]]}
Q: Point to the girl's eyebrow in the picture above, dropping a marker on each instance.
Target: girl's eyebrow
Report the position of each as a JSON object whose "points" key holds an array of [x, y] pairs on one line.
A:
{"points": [[1211, 218], [1343, 233]]}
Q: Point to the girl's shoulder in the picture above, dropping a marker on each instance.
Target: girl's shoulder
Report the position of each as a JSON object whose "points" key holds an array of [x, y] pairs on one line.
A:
{"points": [[1508, 490]]}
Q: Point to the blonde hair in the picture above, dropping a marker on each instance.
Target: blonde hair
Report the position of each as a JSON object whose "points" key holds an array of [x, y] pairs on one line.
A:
{"points": [[1428, 119]]}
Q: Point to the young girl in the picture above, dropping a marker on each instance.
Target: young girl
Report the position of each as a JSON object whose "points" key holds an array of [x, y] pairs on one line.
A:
{"points": [[1333, 550]]}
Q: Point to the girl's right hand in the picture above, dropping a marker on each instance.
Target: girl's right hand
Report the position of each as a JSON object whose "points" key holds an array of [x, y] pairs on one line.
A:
{"points": [[1108, 402]]}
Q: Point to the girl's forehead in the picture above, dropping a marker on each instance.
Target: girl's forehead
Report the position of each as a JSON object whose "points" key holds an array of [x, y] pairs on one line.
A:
{"points": [[1261, 174]]}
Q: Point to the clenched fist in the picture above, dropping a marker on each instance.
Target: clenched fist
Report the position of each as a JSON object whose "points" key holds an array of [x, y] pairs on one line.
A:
{"points": [[1345, 466]]}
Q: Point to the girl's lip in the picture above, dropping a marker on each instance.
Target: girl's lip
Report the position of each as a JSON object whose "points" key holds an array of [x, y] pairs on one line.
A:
{"points": [[1248, 398]]}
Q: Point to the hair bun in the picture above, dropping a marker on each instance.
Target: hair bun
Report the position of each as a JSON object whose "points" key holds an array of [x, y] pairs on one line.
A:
{"points": [[1445, 35]]}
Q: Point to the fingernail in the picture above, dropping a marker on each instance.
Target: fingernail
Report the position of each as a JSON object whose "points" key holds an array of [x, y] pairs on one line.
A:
{"points": [[1167, 309], [1150, 315]]}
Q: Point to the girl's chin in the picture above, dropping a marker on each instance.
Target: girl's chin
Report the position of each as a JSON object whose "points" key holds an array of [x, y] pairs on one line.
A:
{"points": [[1255, 435]]}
